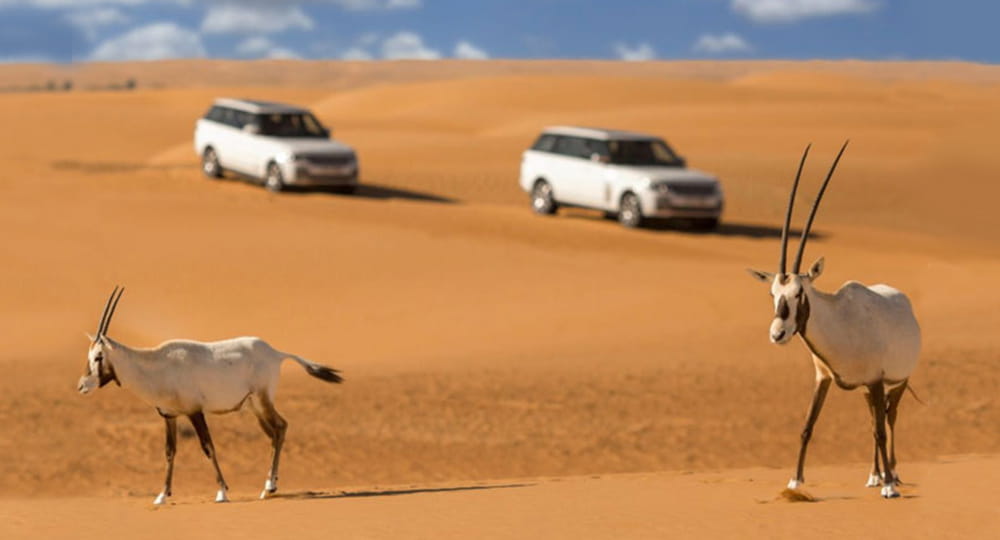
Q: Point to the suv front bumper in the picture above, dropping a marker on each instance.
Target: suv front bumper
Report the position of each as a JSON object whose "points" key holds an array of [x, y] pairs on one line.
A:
{"points": [[659, 205], [311, 175]]}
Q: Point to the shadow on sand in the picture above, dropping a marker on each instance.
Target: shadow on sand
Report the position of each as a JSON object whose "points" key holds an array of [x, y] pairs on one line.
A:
{"points": [[391, 492], [726, 228], [113, 167], [375, 191], [366, 190]]}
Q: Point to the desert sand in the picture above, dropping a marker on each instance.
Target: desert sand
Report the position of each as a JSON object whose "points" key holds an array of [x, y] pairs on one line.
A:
{"points": [[508, 375]]}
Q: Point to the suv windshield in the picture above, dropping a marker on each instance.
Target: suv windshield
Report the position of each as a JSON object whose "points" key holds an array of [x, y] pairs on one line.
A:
{"points": [[290, 125], [648, 152]]}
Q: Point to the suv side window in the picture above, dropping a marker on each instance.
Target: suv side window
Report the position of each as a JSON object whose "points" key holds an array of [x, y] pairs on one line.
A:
{"points": [[545, 143], [214, 114], [573, 147], [227, 116], [598, 147], [241, 118]]}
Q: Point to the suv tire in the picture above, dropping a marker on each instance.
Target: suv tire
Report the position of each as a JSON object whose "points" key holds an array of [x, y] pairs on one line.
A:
{"points": [[273, 180], [630, 211], [541, 199], [210, 163]]}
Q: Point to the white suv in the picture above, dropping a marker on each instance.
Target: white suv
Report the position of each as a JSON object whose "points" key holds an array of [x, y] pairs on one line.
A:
{"points": [[632, 175], [281, 145]]}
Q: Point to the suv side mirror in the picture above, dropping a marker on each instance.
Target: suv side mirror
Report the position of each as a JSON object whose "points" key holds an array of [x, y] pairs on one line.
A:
{"points": [[599, 158], [251, 128], [326, 132]]}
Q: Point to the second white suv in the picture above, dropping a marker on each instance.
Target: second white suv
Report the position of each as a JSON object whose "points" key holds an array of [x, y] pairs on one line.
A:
{"points": [[631, 175], [281, 145]]}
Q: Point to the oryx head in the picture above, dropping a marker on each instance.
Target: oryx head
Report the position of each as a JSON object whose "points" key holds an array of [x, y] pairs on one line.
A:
{"points": [[99, 370], [789, 289]]}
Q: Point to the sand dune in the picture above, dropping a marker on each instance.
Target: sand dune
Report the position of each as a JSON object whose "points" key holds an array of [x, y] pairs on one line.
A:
{"points": [[478, 340]]}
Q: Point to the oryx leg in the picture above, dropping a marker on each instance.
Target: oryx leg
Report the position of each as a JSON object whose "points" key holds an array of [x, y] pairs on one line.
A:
{"points": [[819, 396], [875, 476], [171, 447], [878, 398], [274, 426], [201, 428], [892, 409]]}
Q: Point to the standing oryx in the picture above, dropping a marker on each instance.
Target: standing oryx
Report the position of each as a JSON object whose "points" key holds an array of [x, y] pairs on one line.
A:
{"points": [[859, 337], [190, 378]]}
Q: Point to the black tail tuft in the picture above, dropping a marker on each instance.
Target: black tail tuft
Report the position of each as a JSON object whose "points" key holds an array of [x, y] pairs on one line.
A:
{"points": [[325, 373]]}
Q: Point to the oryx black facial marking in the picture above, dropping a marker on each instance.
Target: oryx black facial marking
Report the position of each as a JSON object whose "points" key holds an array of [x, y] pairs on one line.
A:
{"points": [[782, 312]]}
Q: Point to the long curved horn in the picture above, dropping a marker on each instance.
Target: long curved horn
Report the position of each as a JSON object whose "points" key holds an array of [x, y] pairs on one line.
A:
{"points": [[111, 312], [104, 314], [815, 206], [788, 213]]}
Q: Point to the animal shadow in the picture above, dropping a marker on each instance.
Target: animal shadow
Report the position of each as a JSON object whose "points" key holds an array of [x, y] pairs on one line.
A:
{"points": [[391, 492]]}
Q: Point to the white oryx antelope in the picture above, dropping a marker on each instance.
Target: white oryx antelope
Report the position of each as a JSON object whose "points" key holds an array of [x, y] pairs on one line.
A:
{"points": [[190, 378], [859, 337]]}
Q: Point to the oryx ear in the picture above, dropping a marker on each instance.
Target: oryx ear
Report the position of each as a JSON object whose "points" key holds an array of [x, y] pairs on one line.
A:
{"points": [[816, 269], [766, 277]]}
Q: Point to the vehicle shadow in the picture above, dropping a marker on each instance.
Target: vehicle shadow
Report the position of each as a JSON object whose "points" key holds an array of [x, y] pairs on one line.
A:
{"points": [[376, 191], [728, 229], [390, 492], [113, 167], [688, 226]]}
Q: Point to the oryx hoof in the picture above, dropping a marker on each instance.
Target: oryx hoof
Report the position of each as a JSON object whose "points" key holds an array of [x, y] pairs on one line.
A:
{"points": [[874, 480], [270, 487], [795, 483], [161, 498], [889, 492], [221, 497]]}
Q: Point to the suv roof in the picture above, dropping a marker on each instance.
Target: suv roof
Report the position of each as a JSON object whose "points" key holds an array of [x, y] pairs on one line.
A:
{"points": [[258, 107], [597, 133]]}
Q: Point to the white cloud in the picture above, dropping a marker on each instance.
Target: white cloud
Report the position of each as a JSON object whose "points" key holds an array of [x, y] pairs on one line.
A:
{"points": [[640, 53], [356, 53], [90, 22], [407, 46], [155, 41], [777, 11], [232, 18], [369, 39], [262, 47], [468, 51], [721, 44], [370, 5]]}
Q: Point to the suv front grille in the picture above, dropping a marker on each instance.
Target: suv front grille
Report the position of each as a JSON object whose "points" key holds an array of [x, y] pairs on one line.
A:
{"points": [[692, 190], [327, 160]]}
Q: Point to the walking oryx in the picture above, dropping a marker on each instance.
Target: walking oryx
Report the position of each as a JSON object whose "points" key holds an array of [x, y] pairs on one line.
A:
{"points": [[190, 378], [859, 337]]}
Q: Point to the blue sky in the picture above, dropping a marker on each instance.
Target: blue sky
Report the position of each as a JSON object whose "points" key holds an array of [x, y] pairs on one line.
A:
{"points": [[114, 30]]}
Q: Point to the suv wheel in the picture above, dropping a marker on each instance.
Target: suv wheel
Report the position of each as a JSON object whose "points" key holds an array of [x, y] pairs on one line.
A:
{"points": [[210, 164], [541, 199], [274, 181], [630, 212]]}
